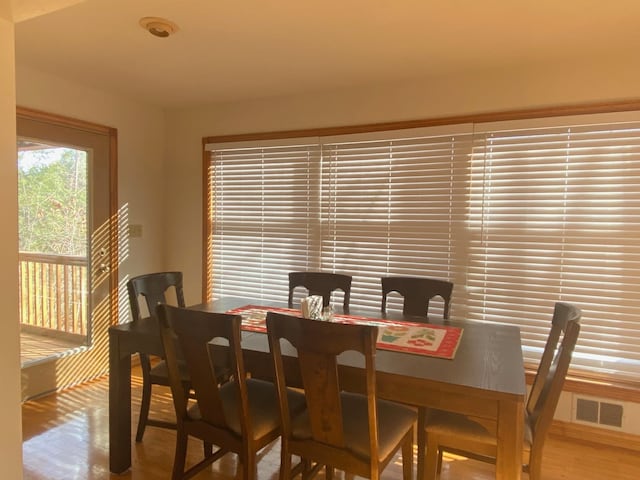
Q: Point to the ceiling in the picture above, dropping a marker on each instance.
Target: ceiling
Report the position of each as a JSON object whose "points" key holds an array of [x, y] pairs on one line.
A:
{"points": [[231, 50]]}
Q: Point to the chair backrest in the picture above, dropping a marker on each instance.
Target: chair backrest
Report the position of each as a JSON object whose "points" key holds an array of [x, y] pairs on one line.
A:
{"points": [[321, 283], [153, 287], [417, 292], [191, 331], [551, 374], [318, 344]]}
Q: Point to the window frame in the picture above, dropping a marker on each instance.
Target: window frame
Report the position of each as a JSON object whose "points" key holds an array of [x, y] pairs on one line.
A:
{"points": [[530, 114]]}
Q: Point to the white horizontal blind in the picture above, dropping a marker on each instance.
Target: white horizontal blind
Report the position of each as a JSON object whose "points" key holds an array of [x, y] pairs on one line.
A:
{"points": [[518, 215], [393, 207], [555, 216], [264, 218]]}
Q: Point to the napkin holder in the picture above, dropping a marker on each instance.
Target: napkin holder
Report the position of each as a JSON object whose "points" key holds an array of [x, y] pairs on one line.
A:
{"points": [[312, 307]]}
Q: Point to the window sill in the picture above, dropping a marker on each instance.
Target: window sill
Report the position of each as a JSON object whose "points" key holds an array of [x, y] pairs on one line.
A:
{"points": [[597, 387]]}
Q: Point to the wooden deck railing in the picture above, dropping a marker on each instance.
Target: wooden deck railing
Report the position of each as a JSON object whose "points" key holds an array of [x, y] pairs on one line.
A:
{"points": [[53, 292]]}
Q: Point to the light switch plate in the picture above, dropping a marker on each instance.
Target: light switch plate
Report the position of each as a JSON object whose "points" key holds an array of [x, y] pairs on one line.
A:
{"points": [[135, 231]]}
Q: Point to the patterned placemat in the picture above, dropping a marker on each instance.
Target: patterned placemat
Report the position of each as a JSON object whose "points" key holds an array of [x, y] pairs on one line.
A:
{"points": [[400, 336]]}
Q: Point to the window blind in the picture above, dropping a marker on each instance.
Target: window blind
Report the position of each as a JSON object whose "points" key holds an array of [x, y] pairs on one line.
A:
{"points": [[393, 207], [518, 215], [263, 214], [555, 216]]}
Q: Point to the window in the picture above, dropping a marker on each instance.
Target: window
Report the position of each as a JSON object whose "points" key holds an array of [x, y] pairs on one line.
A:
{"points": [[517, 214], [555, 215], [390, 207], [263, 206]]}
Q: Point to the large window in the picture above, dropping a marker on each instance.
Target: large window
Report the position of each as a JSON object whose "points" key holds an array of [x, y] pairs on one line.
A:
{"points": [[518, 215]]}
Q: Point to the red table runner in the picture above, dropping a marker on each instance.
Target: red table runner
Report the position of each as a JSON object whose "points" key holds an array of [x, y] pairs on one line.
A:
{"points": [[400, 336]]}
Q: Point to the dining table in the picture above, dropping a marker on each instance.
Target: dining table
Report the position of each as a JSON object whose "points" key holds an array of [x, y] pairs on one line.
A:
{"points": [[485, 377]]}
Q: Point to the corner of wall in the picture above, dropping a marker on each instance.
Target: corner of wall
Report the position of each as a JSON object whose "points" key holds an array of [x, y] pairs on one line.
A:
{"points": [[10, 417]]}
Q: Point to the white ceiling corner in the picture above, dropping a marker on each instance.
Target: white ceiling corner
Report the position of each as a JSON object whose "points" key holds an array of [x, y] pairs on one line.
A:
{"points": [[26, 9]]}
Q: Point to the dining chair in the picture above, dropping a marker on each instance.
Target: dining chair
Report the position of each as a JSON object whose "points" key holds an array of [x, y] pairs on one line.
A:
{"points": [[240, 416], [153, 288], [321, 283], [353, 432], [476, 438], [417, 293]]}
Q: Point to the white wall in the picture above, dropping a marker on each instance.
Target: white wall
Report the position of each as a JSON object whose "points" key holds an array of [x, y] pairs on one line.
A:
{"points": [[141, 147], [10, 415]]}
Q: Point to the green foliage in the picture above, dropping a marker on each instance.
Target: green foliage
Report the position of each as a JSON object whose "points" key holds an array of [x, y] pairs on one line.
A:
{"points": [[52, 201]]}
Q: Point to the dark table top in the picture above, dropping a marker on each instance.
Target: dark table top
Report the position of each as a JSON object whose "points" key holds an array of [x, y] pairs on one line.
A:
{"points": [[489, 356]]}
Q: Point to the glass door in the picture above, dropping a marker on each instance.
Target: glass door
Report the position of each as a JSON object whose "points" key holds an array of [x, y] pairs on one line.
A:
{"points": [[68, 248], [53, 249]]}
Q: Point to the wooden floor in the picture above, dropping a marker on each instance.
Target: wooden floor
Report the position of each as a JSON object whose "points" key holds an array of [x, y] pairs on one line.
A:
{"points": [[66, 437]]}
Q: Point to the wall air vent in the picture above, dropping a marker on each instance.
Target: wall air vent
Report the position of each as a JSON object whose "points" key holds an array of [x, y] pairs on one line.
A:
{"points": [[601, 413]]}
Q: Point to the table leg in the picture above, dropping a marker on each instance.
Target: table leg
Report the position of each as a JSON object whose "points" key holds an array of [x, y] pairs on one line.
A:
{"points": [[119, 407], [422, 442], [510, 440]]}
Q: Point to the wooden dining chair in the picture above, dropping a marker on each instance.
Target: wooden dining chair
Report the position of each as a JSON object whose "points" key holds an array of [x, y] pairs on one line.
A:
{"points": [[475, 438], [353, 432], [321, 283], [417, 293], [152, 288], [240, 416]]}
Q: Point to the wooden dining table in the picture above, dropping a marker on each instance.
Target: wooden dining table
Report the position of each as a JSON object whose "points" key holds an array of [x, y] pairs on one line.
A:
{"points": [[484, 379]]}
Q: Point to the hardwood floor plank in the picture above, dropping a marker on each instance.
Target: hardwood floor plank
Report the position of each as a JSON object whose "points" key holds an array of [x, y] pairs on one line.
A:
{"points": [[66, 437]]}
